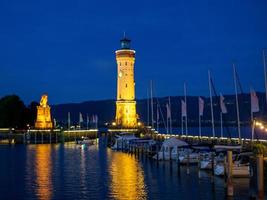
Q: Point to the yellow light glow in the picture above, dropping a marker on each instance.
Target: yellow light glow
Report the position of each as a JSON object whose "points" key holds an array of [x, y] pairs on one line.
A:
{"points": [[43, 165], [261, 127], [126, 116], [113, 123], [127, 177], [43, 120]]}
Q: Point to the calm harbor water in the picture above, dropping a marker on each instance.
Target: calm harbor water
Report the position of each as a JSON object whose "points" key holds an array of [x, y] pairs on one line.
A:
{"points": [[68, 172]]}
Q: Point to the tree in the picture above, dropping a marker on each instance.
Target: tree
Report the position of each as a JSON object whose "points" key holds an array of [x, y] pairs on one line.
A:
{"points": [[12, 112]]}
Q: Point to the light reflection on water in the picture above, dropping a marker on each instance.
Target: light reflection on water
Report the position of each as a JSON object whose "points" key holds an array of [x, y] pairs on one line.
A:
{"points": [[43, 171], [127, 177], [69, 172]]}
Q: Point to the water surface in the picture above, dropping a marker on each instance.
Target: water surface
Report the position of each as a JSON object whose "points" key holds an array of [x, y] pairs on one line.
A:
{"points": [[68, 172]]}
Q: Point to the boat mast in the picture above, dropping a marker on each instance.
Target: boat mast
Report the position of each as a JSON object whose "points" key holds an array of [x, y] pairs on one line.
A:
{"points": [[199, 118], [170, 115], [237, 105], [167, 113], [158, 117], [221, 116], [87, 121], [186, 130], [252, 118], [160, 111], [152, 112], [211, 106], [200, 113], [182, 123], [68, 120], [148, 112], [265, 73]]}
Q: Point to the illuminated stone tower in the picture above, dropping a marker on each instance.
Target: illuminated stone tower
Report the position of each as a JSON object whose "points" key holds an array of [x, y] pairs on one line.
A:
{"points": [[126, 116], [43, 120]]}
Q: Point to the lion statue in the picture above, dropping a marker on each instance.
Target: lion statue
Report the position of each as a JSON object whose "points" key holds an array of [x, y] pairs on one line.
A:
{"points": [[43, 102]]}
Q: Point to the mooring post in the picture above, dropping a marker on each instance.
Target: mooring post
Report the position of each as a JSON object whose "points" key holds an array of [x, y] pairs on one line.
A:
{"points": [[212, 166], [198, 165], [187, 163], [260, 176], [42, 137], [157, 151], [56, 137], [35, 137], [163, 152], [177, 157], [50, 137], [230, 187], [170, 154], [117, 146], [178, 162]]}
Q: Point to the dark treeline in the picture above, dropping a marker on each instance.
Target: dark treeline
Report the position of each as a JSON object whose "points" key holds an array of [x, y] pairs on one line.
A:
{"points": [[14, 113]]}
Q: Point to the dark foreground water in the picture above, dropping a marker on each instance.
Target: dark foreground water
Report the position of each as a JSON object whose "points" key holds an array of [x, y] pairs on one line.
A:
{"points": [[69, 172]]}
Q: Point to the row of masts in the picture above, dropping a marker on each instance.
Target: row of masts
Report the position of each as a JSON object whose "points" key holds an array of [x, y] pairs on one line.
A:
{"points": [[94, 121], [184, 119]]}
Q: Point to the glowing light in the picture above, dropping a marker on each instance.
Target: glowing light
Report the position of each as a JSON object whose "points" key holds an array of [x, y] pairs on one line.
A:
{"points": [[126, 116], [43, 171], [127, 177], [43, 120], [113, 123], [261, 127]]}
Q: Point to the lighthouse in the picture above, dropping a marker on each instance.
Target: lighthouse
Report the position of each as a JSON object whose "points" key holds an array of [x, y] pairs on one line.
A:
{"points": [[126, 116]]}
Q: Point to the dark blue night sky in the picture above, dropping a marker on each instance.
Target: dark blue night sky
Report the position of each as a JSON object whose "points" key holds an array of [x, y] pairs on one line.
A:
{"points": [[66, 48]]}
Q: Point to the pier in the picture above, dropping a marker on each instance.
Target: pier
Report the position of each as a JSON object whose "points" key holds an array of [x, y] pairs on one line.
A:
{"points": [[35, 136]]}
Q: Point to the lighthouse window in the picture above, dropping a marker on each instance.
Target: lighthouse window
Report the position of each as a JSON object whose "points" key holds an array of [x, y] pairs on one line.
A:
{"points": [[126, 63], [126, 85]]}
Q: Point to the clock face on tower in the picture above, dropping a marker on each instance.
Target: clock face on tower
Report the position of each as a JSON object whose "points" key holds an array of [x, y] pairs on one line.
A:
{"points": [[120, 74]]}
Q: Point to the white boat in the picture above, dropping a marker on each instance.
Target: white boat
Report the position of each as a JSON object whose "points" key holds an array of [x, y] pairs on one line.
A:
{"points": [[122, 141], [169, 148], [187, 156], [205, 161], [219, 169], [240, 168], [85, 141]]}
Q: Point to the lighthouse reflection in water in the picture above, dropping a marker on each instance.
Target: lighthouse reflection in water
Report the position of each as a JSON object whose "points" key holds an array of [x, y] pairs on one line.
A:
{"points": [[70, 172]]}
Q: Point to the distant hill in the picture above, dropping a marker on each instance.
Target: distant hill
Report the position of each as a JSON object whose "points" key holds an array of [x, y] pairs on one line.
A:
{"points": [[105, 109]]}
